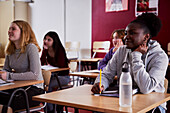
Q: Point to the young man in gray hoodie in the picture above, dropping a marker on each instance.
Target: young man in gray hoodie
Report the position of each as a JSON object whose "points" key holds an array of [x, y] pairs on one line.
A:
{"points": [[148, 61]]}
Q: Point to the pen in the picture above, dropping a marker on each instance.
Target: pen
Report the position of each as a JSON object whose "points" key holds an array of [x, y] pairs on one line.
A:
{"points": [[100, 85]]}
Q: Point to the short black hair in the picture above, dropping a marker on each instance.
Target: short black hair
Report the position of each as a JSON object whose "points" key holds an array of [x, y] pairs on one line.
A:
{"points": [[150, 22]]}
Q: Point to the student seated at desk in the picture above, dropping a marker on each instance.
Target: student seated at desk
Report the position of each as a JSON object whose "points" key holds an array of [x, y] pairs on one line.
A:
{"points": [[117, 40], [54, 54], [22, 63], [148, 61]]}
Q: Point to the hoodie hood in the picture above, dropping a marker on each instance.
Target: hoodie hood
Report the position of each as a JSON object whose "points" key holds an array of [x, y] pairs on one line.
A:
{"points": [[154, 47]]}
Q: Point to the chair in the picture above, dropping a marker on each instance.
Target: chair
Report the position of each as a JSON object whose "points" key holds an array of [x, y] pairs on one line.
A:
{"points": [[2, 61], [23, 92], [168, 49], [73, 67], [166, 85], [46, 76], [72, 50], [100, 47], [5, 109]]}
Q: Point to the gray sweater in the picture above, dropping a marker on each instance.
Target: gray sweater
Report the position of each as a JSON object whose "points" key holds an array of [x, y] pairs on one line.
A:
{"points": [[25, 66], [147, 71]]}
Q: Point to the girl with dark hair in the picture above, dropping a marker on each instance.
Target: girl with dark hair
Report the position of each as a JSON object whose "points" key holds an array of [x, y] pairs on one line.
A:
{"points": [[54, 54], [147, 60]]}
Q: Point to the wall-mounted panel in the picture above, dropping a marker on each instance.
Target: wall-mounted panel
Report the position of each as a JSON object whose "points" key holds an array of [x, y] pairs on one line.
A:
{"points": [[6, 17]]}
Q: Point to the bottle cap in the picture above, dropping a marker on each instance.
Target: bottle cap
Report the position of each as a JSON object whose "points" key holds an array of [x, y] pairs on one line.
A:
{"points": [[125, 67]]}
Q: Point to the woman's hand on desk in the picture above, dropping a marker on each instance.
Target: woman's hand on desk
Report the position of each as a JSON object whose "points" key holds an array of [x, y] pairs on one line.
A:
{"points": [[3, 75], [96, 88]]}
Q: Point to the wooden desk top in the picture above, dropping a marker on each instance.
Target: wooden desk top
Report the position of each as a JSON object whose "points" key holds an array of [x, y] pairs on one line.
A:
{"points": [[91, 59], [85, 74], [21, 84], [87, 60], [58, 69], [81, 97]]}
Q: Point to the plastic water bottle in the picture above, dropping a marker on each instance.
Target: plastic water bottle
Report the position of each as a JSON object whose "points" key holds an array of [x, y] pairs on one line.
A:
{"points": [[125, 87]]}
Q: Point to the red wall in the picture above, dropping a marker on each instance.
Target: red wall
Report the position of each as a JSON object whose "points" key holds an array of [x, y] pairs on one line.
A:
{"points": [[104, 23]]}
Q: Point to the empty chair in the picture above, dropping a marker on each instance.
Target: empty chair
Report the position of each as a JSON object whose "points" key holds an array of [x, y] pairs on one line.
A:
{"points": [[46, 77], [2, 61], [100, 47], [73, 67], [72, 50]]}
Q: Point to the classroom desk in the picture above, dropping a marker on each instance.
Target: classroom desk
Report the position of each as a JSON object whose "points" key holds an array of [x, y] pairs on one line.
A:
{"points": [[88, 74], [58, 69], [85, 63], [21, 83], [18, 84], [81, 97], [91, 59]]}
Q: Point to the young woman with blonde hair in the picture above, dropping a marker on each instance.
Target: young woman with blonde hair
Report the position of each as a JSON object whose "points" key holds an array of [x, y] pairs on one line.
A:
{"points": [[22, 63]]}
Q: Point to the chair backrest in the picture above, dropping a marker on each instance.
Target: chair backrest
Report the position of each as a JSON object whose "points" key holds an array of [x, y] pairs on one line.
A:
{"points": [[73, 65], [168, 48], [46, 76], [2, 60], [166, 85], [9, 109], [100, 47], [72, 50]]}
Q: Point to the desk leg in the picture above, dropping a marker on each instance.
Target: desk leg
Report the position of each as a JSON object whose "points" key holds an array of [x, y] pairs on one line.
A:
{"points": [[76, 110], [54, 108], [77, 80], [73, 80]]}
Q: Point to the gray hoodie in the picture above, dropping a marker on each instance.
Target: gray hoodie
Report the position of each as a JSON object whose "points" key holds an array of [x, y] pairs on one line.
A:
{"points": [[147, 71]]}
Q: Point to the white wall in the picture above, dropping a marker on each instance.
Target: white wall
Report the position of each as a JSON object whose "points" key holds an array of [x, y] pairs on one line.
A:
{"points": [[78, 24], [71, 19], [47, 15]]}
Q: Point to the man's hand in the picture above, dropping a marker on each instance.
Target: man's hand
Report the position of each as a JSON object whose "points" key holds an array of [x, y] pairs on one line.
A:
{"points": [[96, 88]]}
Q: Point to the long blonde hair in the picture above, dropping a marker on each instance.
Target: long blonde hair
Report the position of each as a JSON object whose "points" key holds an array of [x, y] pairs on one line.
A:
{"points": [[27, 36]]}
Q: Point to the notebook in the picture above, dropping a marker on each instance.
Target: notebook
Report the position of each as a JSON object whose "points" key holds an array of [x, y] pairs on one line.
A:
{"points": [[48, 67], [3, 83], [114, 91]]}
